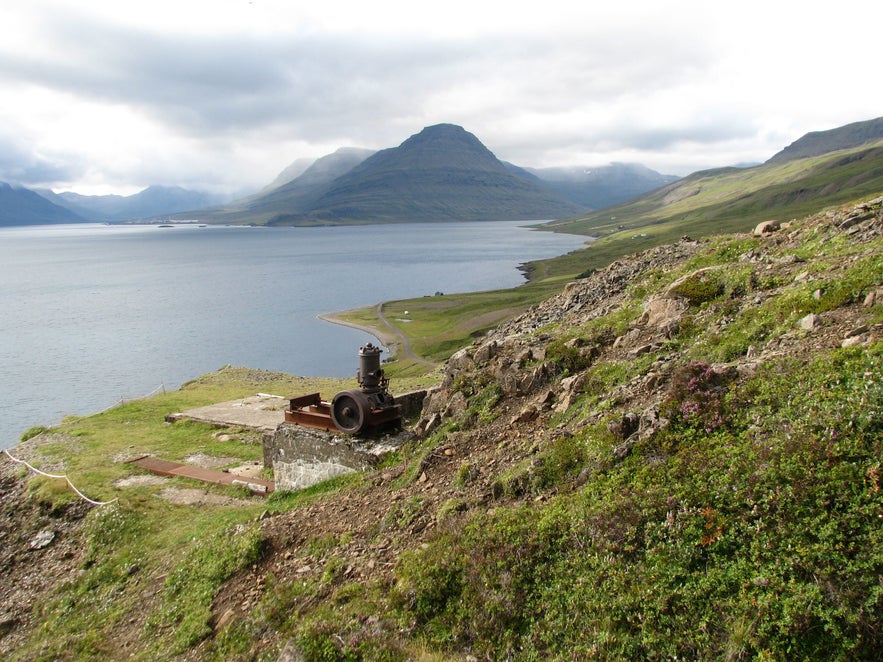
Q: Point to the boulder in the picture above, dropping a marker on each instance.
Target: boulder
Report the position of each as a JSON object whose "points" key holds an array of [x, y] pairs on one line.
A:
{"points": [[810, 322], [660, 311], [765, 228]]}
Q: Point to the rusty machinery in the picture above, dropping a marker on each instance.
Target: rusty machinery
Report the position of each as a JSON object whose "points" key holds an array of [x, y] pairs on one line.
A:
{"points": [[354, 411]]}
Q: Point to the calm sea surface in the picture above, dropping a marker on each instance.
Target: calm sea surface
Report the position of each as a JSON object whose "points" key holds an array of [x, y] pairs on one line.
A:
{"points": [[92, 314]]}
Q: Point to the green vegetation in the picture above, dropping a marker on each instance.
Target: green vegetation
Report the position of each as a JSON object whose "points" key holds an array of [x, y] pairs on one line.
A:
{"points": [[742, 543]]}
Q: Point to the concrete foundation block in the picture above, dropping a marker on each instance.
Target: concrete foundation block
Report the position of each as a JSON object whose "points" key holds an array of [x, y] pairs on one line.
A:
{"points": [[302, 456]]}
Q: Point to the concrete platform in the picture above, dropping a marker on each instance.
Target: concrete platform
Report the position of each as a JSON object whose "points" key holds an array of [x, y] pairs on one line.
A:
{"points": [[259, 412]]}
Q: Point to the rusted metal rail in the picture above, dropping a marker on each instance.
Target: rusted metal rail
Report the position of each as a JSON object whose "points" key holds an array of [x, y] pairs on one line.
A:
{"points": [[175, 469]]}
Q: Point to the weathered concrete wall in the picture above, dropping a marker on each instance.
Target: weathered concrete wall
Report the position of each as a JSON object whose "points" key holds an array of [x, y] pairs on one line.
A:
{"points": [[411, 403], [301, 456]]}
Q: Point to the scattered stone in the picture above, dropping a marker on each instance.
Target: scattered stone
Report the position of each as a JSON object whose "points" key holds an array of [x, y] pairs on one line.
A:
{"points": [[42, 539], [661, 311], [624, 427], [855, 218], [857, 331], [528, 414], [224, 619], [639, 351], [810, 323]]}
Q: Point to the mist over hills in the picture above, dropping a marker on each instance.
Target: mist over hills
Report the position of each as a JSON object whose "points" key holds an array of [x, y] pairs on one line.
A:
{"points": [[312, 173], [442, 173], [602, 186], [303, 189], [445, 173], [151, 202]]}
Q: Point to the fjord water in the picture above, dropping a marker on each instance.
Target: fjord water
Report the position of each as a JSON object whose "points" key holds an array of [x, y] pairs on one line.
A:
{"points": [[92, 314]]}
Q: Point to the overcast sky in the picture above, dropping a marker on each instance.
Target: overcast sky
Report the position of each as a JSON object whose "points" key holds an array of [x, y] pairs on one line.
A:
{"points": [[102, 96]]}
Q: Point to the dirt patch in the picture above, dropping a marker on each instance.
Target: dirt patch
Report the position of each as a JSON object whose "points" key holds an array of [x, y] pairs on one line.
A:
{"points": [[481, 321]]}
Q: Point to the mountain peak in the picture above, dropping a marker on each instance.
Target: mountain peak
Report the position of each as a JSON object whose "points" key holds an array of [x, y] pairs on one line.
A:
{"points": [[442, 173], [444, 130], [448, 133]]}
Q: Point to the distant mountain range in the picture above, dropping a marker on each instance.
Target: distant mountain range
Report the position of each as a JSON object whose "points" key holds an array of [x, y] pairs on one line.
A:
{"points": [[21, 206], [442, 173], [151, 202], [596, 188]]}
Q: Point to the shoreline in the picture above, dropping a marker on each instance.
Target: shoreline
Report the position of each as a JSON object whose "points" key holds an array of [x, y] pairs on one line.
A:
{"points": [[388, 340], [395, 341]]}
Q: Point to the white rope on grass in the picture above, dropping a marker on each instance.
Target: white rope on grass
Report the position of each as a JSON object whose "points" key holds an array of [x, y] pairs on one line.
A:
{"points": [[70, 484], [161, 387]]}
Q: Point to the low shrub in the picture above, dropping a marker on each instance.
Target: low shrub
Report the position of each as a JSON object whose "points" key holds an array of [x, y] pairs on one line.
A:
{"points": [[696, 396]]}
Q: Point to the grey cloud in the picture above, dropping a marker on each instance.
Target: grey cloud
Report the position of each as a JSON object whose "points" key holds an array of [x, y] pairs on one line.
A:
{"points": [[20, 165], [323, 86]]}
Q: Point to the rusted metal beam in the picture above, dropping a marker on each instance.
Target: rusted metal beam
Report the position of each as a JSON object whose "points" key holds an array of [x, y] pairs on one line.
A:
{"points": [[178, 469]]}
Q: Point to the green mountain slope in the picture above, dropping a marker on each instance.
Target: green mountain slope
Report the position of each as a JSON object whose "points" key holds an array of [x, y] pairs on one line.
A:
{"points": [[822, 142], [733, 199]]}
